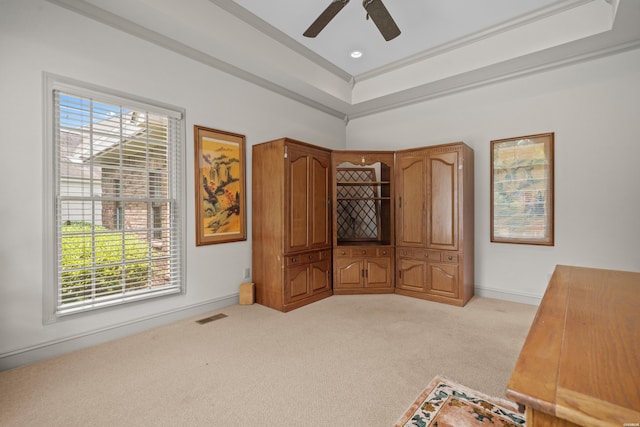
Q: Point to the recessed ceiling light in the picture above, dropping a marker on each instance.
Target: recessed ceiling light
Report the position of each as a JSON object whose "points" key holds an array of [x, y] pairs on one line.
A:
{"points": [[356, 54]]}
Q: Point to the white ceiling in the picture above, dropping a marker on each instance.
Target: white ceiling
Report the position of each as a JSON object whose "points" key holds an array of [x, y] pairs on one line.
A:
{"points": [[446, 46], [425, 24]]}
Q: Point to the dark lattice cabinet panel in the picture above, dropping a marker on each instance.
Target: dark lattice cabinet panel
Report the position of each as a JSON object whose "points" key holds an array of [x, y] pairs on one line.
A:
{"points": [[363, 199]]}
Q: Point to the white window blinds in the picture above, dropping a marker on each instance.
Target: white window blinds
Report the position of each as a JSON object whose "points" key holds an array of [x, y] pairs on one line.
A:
{"points": [[118, 169]]}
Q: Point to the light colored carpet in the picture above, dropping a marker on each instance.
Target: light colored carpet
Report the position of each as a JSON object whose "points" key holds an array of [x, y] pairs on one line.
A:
{"points": [[356, 360]]}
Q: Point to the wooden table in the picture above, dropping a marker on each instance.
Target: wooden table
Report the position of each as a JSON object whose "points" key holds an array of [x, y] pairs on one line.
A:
{"points": [[580, 363]]}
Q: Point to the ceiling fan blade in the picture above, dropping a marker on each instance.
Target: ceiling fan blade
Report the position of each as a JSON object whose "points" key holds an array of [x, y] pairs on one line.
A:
{"points": [[329, 13], [381, 17]]}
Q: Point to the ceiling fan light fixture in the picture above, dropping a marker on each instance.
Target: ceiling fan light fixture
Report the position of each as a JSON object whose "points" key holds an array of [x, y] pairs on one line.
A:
{"points": [[382, 18], [327, 15], [375, 10]]}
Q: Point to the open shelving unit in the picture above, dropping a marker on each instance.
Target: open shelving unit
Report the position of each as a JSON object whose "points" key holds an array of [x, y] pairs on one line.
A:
{"points": [[363, 222]]}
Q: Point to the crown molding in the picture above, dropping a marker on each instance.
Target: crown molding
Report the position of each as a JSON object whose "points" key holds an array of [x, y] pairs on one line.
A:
{"points": [[115, 21], [624, 36], [271, 31], [493, 31], [492, 74]]}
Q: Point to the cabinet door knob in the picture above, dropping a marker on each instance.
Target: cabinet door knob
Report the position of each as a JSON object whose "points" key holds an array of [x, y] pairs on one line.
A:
{"points": [[426, 255], [384, 252], [449, 257], [293, 260], [310, 256], [364, 252]]}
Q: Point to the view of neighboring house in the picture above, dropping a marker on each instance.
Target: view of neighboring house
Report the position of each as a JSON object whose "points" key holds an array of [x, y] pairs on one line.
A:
{"points": [[79, 179], [105, 163], [114, 179]]}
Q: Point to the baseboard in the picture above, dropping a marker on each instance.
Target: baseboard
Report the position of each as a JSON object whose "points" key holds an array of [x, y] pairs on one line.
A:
{"points": [[522, 297], [55, 348]]}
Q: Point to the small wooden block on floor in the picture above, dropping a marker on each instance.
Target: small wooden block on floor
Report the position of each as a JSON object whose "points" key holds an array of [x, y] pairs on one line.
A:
{"points": [[247, 293]]}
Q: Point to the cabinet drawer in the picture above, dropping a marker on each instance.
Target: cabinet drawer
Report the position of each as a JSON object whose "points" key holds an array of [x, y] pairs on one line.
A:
{"points": [[304, 258], [433, 256], [342, 252], [384, 252], [428, 255], [363, 252], [406, 252], [451, 258]]}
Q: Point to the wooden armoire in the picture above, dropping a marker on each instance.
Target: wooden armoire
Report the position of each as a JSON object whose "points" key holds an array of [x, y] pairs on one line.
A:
{"points": [[349, 222], [291, 228], [434, 223]]}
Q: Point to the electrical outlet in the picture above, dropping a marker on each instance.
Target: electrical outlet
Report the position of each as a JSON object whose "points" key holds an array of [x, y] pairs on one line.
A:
{"points": [[247, 273]]}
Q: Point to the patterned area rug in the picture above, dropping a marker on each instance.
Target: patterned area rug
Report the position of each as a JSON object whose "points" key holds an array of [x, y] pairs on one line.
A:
{"points": [[447, 404]]}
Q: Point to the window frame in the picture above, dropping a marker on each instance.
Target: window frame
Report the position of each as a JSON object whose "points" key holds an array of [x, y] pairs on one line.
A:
{"points": [[51, 185], [512, 225]]}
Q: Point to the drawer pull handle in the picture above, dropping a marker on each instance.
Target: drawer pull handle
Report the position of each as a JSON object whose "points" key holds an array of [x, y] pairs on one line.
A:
{"points": [[404, 252], [384, 252], [449, 257], [293, 260], [364, 252], [426, 255], [310, 256]]}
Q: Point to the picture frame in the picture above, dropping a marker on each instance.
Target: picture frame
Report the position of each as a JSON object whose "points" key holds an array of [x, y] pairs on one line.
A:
{"points": [[522, 190], [221, 213]]}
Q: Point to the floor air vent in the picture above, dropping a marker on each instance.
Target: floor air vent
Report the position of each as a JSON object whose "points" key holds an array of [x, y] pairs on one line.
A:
{"points": [[211, 318]]}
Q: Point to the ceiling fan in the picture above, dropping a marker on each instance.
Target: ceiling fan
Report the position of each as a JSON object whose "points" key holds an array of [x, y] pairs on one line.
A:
{"points": [[375, 9]]}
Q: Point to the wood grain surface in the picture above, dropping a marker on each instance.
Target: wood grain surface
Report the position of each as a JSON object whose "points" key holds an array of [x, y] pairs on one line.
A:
{"points": [[581, 360]]}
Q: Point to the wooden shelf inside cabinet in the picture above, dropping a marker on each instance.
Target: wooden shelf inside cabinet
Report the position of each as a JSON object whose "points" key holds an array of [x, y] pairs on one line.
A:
{"points": [[360, 183], [363, 198]]}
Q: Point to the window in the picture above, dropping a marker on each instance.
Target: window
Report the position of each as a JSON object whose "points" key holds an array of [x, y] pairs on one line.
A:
{"points": [[522, 190], [119, 214], [155, 188], [115, 199]]}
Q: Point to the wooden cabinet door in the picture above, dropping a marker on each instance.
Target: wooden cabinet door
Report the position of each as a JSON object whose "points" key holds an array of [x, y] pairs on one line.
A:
{"points": [[320, 273], [378, 273], [320, 193], [297, 283], [305, 280], [442, 207], [411, 193], [349, 273], [297, 199], [308, 194], [443, 279], [412, 274]]}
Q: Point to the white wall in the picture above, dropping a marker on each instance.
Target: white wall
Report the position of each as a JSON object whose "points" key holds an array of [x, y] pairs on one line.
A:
{"points": [[592, 107], [594, 110], [37, 37]]}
